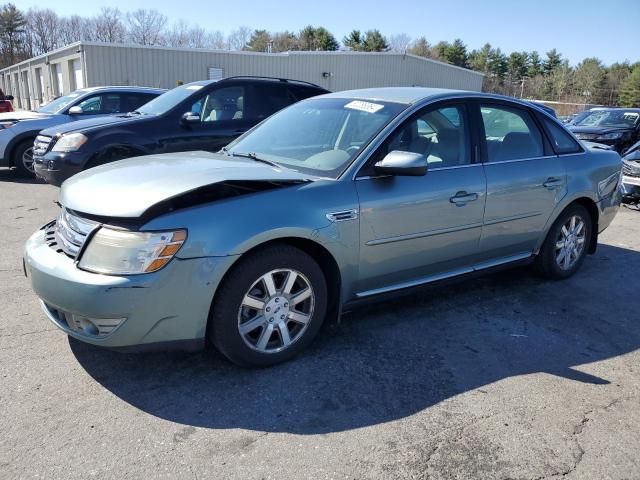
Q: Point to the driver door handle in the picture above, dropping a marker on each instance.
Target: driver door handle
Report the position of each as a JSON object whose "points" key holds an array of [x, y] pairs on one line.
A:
{"points": [[460, 199]]}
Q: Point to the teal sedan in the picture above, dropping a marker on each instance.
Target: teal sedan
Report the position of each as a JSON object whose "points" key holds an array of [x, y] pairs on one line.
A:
{"points": [[330, 202]]}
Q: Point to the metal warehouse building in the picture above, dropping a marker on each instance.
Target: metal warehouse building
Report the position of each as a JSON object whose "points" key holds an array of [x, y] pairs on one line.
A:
{"points": [[90, 64]]}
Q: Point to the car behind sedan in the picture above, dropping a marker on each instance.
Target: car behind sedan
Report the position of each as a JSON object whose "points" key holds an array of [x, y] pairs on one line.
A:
{"points": [[332, 201], [617, 127]]}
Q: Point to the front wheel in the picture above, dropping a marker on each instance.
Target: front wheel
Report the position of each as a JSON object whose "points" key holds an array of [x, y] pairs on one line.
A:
{"points": [[566, 245], [23, 159], [269, 307]]}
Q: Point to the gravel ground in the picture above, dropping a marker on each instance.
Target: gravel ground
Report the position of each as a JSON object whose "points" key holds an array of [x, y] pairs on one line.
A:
{"points": [[507, 376]]}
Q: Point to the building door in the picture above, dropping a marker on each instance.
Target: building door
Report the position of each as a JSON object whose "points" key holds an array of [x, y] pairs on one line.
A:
{"points": [[77, 74], [16, 86], [26, 91]]}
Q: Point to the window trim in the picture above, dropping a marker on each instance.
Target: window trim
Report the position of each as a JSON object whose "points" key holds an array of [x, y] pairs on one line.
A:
{"points": [[463, 103], [547, 151]]}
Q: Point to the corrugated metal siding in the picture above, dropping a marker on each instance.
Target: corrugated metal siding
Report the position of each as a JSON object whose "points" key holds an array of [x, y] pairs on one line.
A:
{"points": [[105, 64], [61, 57], [159, 67]]}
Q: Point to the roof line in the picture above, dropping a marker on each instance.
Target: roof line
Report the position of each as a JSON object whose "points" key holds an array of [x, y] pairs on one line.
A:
{"points": [[239, 52]]}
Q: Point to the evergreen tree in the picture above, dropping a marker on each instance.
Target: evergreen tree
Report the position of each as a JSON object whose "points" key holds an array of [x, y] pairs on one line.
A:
{"points": [[456, 53], [12, 23], [552, 62], [535, 65], [630, 89]]}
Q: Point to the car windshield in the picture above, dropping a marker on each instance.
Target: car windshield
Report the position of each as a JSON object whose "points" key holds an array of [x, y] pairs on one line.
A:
{"points": [[165, 102], [610, 118], [318, 136], [60, 103]]}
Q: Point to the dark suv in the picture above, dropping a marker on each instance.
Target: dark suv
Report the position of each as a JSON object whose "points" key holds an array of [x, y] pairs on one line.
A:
{"points": [[204, 115]]}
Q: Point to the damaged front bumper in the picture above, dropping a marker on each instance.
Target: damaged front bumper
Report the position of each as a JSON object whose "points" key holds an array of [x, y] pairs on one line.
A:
{"points": [[167, 306]]}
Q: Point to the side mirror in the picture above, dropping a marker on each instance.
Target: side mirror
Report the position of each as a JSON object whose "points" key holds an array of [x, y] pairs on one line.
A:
{"points": [[189, 117], [76, 110], [9, 97], [400, 163]]}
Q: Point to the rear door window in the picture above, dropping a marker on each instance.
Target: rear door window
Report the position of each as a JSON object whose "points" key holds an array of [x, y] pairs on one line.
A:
{"points": [[105, 103], [510, 133], [133, 101], [268, 99]]}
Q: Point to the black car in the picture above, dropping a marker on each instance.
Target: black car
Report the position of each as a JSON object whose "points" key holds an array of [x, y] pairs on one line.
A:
{"points": [[617, 127], [204, 115]]}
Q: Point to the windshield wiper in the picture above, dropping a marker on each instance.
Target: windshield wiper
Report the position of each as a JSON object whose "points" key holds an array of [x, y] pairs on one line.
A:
{"points": [[252, 156]]}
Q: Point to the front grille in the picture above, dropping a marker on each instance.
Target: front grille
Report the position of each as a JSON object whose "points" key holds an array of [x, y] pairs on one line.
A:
{"points": [[630, 169], [68, 233], [41, 145]]}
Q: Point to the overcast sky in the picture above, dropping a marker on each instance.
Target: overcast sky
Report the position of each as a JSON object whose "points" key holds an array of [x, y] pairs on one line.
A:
{"points": [[607, 29]]}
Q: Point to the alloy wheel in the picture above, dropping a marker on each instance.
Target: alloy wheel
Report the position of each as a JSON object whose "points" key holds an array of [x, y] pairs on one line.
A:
{"points": [[570, 242], [27, 159], [276, 310]]}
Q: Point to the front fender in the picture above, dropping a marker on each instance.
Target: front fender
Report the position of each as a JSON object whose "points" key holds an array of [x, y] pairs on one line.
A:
{"points": [[236, 225]]}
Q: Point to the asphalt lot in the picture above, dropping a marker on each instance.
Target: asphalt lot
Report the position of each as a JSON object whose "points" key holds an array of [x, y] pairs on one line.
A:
{"points": [[504, 377]]}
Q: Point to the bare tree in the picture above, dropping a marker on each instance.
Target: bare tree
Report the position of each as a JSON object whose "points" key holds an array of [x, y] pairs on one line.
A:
{"points": [[75, 28], [43, 25], [109, 27], [178, 36], [239, 38], [146, 27], [216, 40], [399, 43]]}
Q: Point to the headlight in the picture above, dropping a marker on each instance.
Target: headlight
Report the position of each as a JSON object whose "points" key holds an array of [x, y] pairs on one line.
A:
{"points": [[4, 125], [610, 136], [117, 252], [69, 143]]}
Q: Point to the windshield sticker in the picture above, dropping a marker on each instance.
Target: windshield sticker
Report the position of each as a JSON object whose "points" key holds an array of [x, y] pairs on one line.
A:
{"points": [[194, 87], [364, 106]]}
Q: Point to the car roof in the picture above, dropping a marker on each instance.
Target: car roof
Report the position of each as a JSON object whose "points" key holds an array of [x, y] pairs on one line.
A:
{"points": [[256, 78], [414, 95], [123, 88], [407, 95]]}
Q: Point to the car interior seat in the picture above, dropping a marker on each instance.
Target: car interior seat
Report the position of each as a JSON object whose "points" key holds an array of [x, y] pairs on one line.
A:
{"points": [[517, 145]]}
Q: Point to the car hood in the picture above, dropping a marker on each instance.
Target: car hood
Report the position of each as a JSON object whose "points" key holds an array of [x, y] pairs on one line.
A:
{"points": [[130, 188], [88, 124], [23, 115], [598, 130]]}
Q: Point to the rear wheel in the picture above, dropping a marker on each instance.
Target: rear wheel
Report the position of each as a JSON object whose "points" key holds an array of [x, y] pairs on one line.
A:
{"points": [[269, 308], [23, 158], [566, 245]]}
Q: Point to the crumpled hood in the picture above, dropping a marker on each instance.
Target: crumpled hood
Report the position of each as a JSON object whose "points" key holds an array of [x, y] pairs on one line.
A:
{"points": [[22, 115], [128, 188]]}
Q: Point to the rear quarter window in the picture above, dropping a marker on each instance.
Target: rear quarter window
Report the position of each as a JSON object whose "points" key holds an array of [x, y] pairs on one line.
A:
{"points": [[562, 141]]}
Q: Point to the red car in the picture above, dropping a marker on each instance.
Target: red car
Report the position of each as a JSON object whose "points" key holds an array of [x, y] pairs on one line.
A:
{"points": [[5, 102]]}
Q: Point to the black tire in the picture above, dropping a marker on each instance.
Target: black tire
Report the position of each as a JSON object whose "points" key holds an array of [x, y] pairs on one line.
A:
{"points": [[546, 262], [224, 319], [16, 159]]}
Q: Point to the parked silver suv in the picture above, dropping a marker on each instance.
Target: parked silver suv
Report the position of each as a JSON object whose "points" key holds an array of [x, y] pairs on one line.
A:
{"points": [[18, 130]]}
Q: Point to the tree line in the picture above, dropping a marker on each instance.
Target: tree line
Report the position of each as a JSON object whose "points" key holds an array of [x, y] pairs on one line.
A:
{"points": [[522, 74]]}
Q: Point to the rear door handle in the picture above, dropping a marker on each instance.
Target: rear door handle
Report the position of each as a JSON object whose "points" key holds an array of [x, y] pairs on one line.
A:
{"points": [[552, 182], [460, 199]]}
